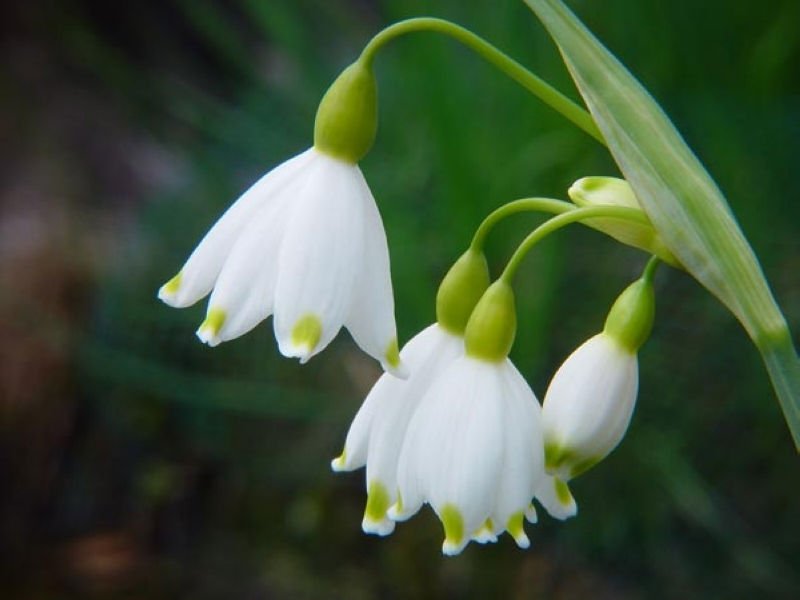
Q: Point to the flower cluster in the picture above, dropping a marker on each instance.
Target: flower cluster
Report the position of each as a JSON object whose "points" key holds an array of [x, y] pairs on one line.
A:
{"points": [[466, 434], [452, 423]]}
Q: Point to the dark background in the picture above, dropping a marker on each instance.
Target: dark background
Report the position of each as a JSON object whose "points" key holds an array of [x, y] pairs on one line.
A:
{"points": [[137, 463]]}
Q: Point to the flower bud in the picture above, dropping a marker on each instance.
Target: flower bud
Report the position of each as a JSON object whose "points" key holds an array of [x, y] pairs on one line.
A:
{"points": [[460, 290], [612, 191], [347, 117], [591, 398]]}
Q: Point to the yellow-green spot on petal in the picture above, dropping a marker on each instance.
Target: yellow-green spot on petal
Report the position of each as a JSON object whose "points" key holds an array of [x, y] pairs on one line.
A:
{"points": [[398, 506], [583, 466], [215, 319], [514, 525], [485, 530], [173, 285], [562, 492], [392, 354], [565, 461], [377, 502], [555, 456], [453, 525], [307, 332], [340, 461]]}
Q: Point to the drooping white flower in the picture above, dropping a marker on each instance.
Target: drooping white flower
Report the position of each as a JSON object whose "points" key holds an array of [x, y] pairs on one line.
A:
{"points": [[377, 432], [305, 243], [473, 451], [588, 405], [591, 398]]}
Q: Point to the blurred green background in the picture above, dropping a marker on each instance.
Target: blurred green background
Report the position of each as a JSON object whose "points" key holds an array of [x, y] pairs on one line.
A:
{"points": [[137, 463]]}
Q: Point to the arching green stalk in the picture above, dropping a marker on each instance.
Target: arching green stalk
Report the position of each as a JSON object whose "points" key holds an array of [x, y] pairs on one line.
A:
{"points": [[524, 205], [562, 220], [534, 84]]}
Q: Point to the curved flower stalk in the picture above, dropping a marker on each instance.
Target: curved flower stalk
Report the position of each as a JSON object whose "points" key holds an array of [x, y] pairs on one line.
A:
{"points": [[305, 243], [590, 401]]}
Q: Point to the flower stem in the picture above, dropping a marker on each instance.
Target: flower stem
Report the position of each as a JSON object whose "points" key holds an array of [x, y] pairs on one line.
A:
{"points": [[650, 269], [562, 220], [534, 84], [517, 206]]}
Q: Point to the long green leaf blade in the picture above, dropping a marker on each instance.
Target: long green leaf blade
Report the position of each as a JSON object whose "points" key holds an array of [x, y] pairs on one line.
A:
{"points": [[680, 197]]}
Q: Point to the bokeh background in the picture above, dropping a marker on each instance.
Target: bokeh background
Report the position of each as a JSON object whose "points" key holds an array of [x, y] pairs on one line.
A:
{"points": [[137, 463]]}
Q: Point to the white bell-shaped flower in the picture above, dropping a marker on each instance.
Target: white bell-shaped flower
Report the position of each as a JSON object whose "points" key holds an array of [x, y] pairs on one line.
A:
{"points": [[591, 398], [473, 450], [305, 243], [377, 432]]}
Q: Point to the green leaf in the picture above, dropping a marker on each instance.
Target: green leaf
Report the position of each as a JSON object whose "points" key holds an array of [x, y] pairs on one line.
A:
{"points": [[680, 197]]}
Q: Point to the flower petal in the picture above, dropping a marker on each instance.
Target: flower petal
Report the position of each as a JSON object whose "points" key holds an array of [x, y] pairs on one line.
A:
{"points": [[200, 271], [523, 456], [386, 390], [245, 288], [556, 497], [319, 260], [454, 445], [371, 318], [427, 354], [378, 501]]}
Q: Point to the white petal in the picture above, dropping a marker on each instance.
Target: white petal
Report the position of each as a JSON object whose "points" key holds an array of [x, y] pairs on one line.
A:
{"points": [[427, 354], [371, 317], [354, 454], [523, 457], [198, 275], [589, 402], [454, 444], [556, 498], [375, 520], [320, 258], [377, 432], [485, 534], [245, 289]]}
